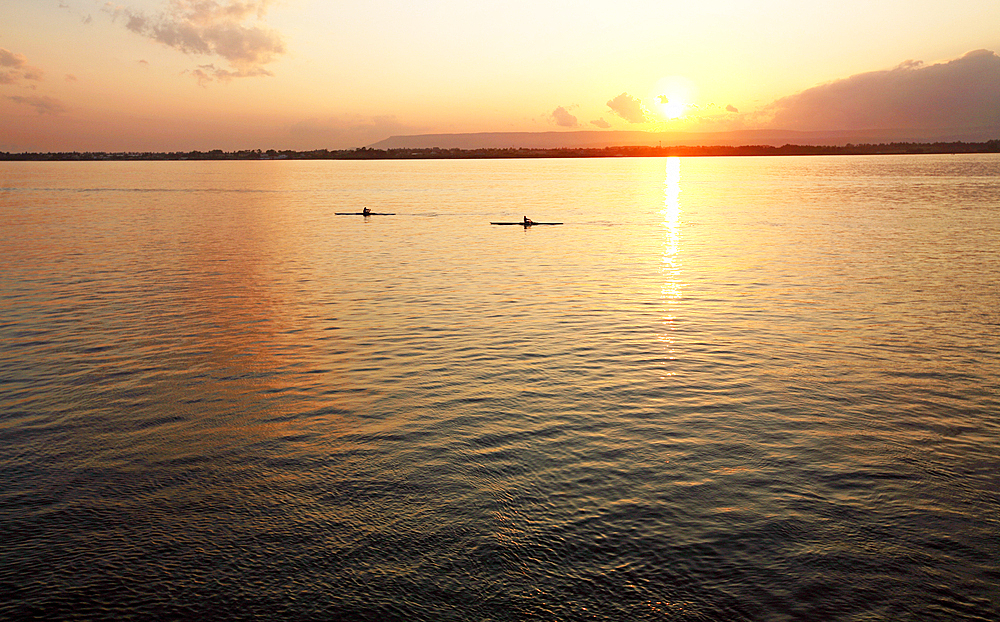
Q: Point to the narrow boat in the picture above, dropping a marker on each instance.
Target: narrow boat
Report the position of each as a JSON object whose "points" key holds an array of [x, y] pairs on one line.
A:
{"points": [[364, 213], [526, 224]]}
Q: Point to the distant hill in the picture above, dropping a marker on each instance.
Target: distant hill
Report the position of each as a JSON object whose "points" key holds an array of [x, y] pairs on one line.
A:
{"points": [[600, 139]]}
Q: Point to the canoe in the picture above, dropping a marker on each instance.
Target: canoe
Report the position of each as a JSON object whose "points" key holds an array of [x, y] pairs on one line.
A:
{"points": [[526, 224], [364, 214]]}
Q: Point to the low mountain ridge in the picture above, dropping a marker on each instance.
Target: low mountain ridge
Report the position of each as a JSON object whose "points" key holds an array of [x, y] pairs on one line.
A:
{"points": [[600, 139]]}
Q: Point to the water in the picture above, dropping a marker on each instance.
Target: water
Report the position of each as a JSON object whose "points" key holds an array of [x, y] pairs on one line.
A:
{"points": [[725, 389]]}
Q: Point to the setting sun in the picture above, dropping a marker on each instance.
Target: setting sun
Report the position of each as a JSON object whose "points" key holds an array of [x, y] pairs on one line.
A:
{"points": [[670, 108], [673, 96]]}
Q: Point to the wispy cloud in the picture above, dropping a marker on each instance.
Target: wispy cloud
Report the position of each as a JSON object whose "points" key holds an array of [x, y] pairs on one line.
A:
{"points": [[14, 68], [629, 108], [86, 19], [210, 73], [41, 103], [230, 29], [563, 118], [964, 92], [601, 123], [731, 108]]}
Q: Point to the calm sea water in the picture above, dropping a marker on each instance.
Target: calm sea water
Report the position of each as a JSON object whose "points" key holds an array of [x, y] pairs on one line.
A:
{"points": [[724, 389]]}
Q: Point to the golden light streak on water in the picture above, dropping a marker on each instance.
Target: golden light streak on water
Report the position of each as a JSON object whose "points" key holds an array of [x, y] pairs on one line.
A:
{"points": [[671, 263]]}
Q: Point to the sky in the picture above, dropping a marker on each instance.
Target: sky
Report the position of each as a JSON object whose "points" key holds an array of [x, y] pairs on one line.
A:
{"points": [[180, 75]]}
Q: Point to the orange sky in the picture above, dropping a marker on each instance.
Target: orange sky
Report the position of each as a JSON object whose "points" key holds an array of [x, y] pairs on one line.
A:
{"points": [[304, 74]]}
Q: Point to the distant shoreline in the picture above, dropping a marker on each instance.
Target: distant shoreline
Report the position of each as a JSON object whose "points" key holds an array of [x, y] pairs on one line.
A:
{"points": [[368, 153]]}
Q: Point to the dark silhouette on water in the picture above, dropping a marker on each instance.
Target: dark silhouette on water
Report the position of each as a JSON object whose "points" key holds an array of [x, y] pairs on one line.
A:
{"points": [[366, 212], [527, 222]]}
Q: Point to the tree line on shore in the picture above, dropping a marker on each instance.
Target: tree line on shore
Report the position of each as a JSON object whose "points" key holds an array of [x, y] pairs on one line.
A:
{"points": [[368, 153]]}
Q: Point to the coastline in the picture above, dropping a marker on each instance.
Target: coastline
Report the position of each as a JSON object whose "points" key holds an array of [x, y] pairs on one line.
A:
{"points": [[368, 153]]}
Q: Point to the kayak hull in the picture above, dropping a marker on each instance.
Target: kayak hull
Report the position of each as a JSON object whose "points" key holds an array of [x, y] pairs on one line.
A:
{"points": [[526, 224]]}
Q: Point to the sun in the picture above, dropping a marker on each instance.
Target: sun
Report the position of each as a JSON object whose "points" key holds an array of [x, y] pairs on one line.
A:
{"points": [[669, 107], [673, 96]]}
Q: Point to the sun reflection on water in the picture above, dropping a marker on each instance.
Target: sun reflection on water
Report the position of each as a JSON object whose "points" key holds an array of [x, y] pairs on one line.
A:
{"points": [[670, 291]]}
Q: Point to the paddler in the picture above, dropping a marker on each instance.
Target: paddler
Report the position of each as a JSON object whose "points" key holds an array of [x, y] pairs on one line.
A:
{"points": [[528, 222], [366, 211]]}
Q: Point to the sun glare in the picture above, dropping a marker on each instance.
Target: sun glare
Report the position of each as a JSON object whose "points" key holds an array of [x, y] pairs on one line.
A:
{"points": [[671, 108], [673, 96]]}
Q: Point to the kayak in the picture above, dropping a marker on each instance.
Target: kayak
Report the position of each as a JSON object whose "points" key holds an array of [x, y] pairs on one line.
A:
{"points": [[525, 224], [364, 214]]}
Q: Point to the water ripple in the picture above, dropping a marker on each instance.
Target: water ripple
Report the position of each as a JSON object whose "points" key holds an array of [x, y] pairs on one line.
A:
{"points": [[764, 389]]}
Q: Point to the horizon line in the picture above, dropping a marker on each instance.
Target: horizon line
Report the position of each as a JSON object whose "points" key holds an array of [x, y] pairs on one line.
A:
{"points": [[369, 152]]}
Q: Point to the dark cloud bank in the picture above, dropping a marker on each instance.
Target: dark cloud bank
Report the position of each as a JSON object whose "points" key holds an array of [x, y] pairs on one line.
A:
{"points": [[963, 94]]}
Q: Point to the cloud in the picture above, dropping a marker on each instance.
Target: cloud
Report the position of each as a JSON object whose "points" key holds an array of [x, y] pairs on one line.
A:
{"points": [[731, 108], [230, 29], [71, 78], [86, 19], [211, 73], [14, 68], [962, 93], [563, 118], [629, 108], [601, 123], [41, 104]]}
